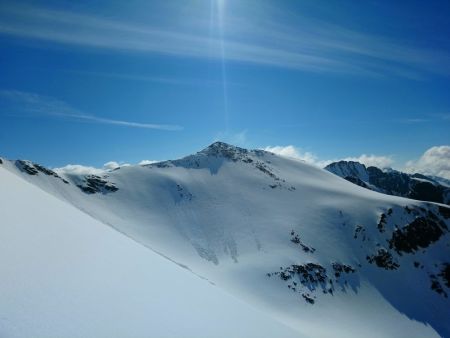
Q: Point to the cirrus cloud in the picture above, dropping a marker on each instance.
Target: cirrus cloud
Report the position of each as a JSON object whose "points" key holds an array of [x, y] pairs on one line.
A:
{"points": [[267, 39], [25, 103]]}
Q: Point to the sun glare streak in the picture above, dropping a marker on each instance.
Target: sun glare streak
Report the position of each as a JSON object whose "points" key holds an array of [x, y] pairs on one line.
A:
{"points": [[217, 21]]}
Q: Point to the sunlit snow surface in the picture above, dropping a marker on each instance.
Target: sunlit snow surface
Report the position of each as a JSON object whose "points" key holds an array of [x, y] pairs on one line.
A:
{"points": [[64, 274], [226, 216]]}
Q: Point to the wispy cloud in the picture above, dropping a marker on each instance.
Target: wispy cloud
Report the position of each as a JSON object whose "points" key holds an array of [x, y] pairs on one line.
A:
{"points": [[412, 120], [442, 116], [264, 39], [23, 102], [155, 79], [425, 118]]}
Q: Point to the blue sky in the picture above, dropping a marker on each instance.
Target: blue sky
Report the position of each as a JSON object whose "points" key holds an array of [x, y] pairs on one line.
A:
{"points": [[131, 80]]}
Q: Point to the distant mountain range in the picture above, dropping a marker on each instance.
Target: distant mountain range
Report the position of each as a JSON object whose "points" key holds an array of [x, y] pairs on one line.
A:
{"points": [[393, 182]]}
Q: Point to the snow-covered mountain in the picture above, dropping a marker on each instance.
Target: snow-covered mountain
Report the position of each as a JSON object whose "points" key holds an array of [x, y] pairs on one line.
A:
{"points": [[64, 274], [320, 255], [393, 182]]}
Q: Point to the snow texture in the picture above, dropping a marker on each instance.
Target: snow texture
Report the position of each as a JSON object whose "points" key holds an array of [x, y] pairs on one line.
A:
{"points": [[64, 274], [253, 223]]}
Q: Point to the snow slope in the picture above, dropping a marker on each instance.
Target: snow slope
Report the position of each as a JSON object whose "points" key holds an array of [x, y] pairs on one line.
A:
{"points": [[309, 249], [64, 274]]}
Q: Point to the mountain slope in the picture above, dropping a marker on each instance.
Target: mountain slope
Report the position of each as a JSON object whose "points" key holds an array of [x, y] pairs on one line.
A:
{"points": [[392, 182], [321, 255], [64, 274]]}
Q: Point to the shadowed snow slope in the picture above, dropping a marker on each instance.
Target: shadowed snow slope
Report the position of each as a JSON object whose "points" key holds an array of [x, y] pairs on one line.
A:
{"points": [[309, 249], [64, 274]]}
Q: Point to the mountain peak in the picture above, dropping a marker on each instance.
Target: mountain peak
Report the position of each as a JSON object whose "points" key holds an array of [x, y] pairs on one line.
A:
{"points": [[347, 163], [223, 149], [348, 168], [229, 151], [219, 146]]}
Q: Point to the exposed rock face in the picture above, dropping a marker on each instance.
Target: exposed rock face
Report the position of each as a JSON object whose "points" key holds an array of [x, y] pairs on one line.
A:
{"points": [[221, 149], [357, 181], [360, 231], [183, 194], [437, 286], [95, 184], [445, 274], [418, 234], [349, 169], [382, 222], [392, 182], [295, 238], [34, 169], [445, 212], [400, 231], [423, 229], [340, 268], [383, 259], [27, 167], [310, 277]]}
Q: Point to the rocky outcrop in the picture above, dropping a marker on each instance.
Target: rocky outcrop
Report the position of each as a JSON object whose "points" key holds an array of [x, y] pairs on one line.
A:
{"points": [[419, 234], [383, 259], [95, 184], [392, 182], [424, 228], [349, 169], [399, 231], [444, 211], [295, 238], [311, 277], [445, 274], [308, 278], [34, 169]]}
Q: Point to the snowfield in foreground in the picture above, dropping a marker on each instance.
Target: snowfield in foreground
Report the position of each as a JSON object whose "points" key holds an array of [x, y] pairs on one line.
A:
{"points": [[318, 256], [64, 274]]}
